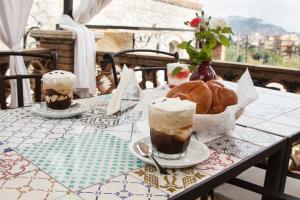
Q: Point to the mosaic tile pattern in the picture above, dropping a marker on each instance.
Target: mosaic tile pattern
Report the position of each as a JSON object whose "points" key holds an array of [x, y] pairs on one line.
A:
{"points": [[30, 186], [233, 146], [175, 182], [35, 129], [217, 162], [97, 116], [84, 160], [123, 187], [12, 164], [15, 114]]}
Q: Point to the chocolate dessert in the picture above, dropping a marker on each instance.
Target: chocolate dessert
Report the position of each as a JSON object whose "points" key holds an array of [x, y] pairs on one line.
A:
{"points": [[56, 100], [58, 88]]}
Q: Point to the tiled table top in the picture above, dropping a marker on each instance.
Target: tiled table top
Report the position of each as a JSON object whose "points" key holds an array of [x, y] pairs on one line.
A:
{"points": [[87, 157], [276, 112]]}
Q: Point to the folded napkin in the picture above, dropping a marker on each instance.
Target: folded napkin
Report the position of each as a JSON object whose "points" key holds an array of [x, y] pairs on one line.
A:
{"points": [[128, 86]]}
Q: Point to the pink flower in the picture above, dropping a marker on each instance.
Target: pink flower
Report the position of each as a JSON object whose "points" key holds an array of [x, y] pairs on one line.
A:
{"points": [[195, 22]]}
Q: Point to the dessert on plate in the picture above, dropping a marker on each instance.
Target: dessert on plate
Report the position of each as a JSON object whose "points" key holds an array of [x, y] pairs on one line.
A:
{"points": [[58, 88]]}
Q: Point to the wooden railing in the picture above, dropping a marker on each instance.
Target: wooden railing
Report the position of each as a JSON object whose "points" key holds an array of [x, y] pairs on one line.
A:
{"points": [[262, 75]]}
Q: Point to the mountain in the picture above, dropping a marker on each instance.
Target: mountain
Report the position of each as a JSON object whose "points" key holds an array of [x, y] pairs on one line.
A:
{"points": [[249, 26]]}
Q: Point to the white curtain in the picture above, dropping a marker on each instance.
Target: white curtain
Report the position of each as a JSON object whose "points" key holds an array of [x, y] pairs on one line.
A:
{"points": [[85, 46], [13, 20]]}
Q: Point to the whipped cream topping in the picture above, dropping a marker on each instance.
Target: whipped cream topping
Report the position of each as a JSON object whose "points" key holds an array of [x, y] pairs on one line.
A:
{"points": [[171, 115], [59, 80], [173, 104]]}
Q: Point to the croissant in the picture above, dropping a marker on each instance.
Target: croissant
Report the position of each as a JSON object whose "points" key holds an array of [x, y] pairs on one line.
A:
{"points": [[196, 91], [211, 97]]}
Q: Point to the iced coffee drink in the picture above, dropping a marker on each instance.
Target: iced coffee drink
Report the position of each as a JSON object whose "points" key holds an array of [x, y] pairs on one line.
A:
{"points": [[171, 121], [58, 88]]}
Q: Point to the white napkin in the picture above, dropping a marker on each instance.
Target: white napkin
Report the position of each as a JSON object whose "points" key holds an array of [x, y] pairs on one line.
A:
{"points": [[129, 85]]}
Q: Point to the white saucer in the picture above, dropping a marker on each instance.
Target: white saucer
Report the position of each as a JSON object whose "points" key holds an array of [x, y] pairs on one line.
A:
{"points": [[74, 110], [197, 152]]}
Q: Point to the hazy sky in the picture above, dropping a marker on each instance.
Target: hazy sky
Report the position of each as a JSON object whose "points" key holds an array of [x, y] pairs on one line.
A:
{"points": [[285, 13]]}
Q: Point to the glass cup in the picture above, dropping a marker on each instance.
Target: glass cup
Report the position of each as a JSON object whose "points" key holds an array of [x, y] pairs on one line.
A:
{"points": [[181, 77], [171, 121], [58, 88]]}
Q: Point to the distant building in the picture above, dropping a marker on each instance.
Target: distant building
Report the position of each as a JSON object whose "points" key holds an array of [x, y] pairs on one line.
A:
{"points": [[285, 45]]}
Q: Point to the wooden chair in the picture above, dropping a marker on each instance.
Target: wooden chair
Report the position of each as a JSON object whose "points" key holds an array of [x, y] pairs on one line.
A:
{"points": [[145, 68], [52, 55], [19, 79]]}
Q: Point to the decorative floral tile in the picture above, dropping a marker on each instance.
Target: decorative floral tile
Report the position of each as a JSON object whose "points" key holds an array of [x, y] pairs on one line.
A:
{"points": [[97, 116], [175, 182], [233, 146], [122, 187], [30, 186], [33, 130], [12, 164], [102, 122], [81, 161], [254, 136], [217, 162]]}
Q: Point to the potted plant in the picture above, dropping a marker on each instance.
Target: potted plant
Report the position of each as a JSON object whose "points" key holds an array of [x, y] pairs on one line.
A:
{"points": [[206, 39]]}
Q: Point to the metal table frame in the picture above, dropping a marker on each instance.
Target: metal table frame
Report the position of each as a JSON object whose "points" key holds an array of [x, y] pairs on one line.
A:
{"points": [[273, 179]]}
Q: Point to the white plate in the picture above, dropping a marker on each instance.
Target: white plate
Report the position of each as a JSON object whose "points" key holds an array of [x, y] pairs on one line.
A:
{"points": [[74, 110], [197, 152]]}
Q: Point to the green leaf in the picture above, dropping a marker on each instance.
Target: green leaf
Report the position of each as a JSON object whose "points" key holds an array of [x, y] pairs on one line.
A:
{"points": [[227, 30], [224, 40], [208, 52], [176, 71], [193, 53], [192, 68], [212, 43], [204, 34], [183, 45], [202, 55]]}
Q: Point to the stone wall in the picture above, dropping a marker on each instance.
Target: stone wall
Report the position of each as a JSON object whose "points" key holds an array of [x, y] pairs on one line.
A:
{"points": [[45, 14], [144, 13]]}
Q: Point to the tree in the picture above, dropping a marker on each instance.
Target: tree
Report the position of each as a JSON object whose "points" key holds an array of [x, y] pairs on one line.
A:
{"points": [[240, 58]]}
